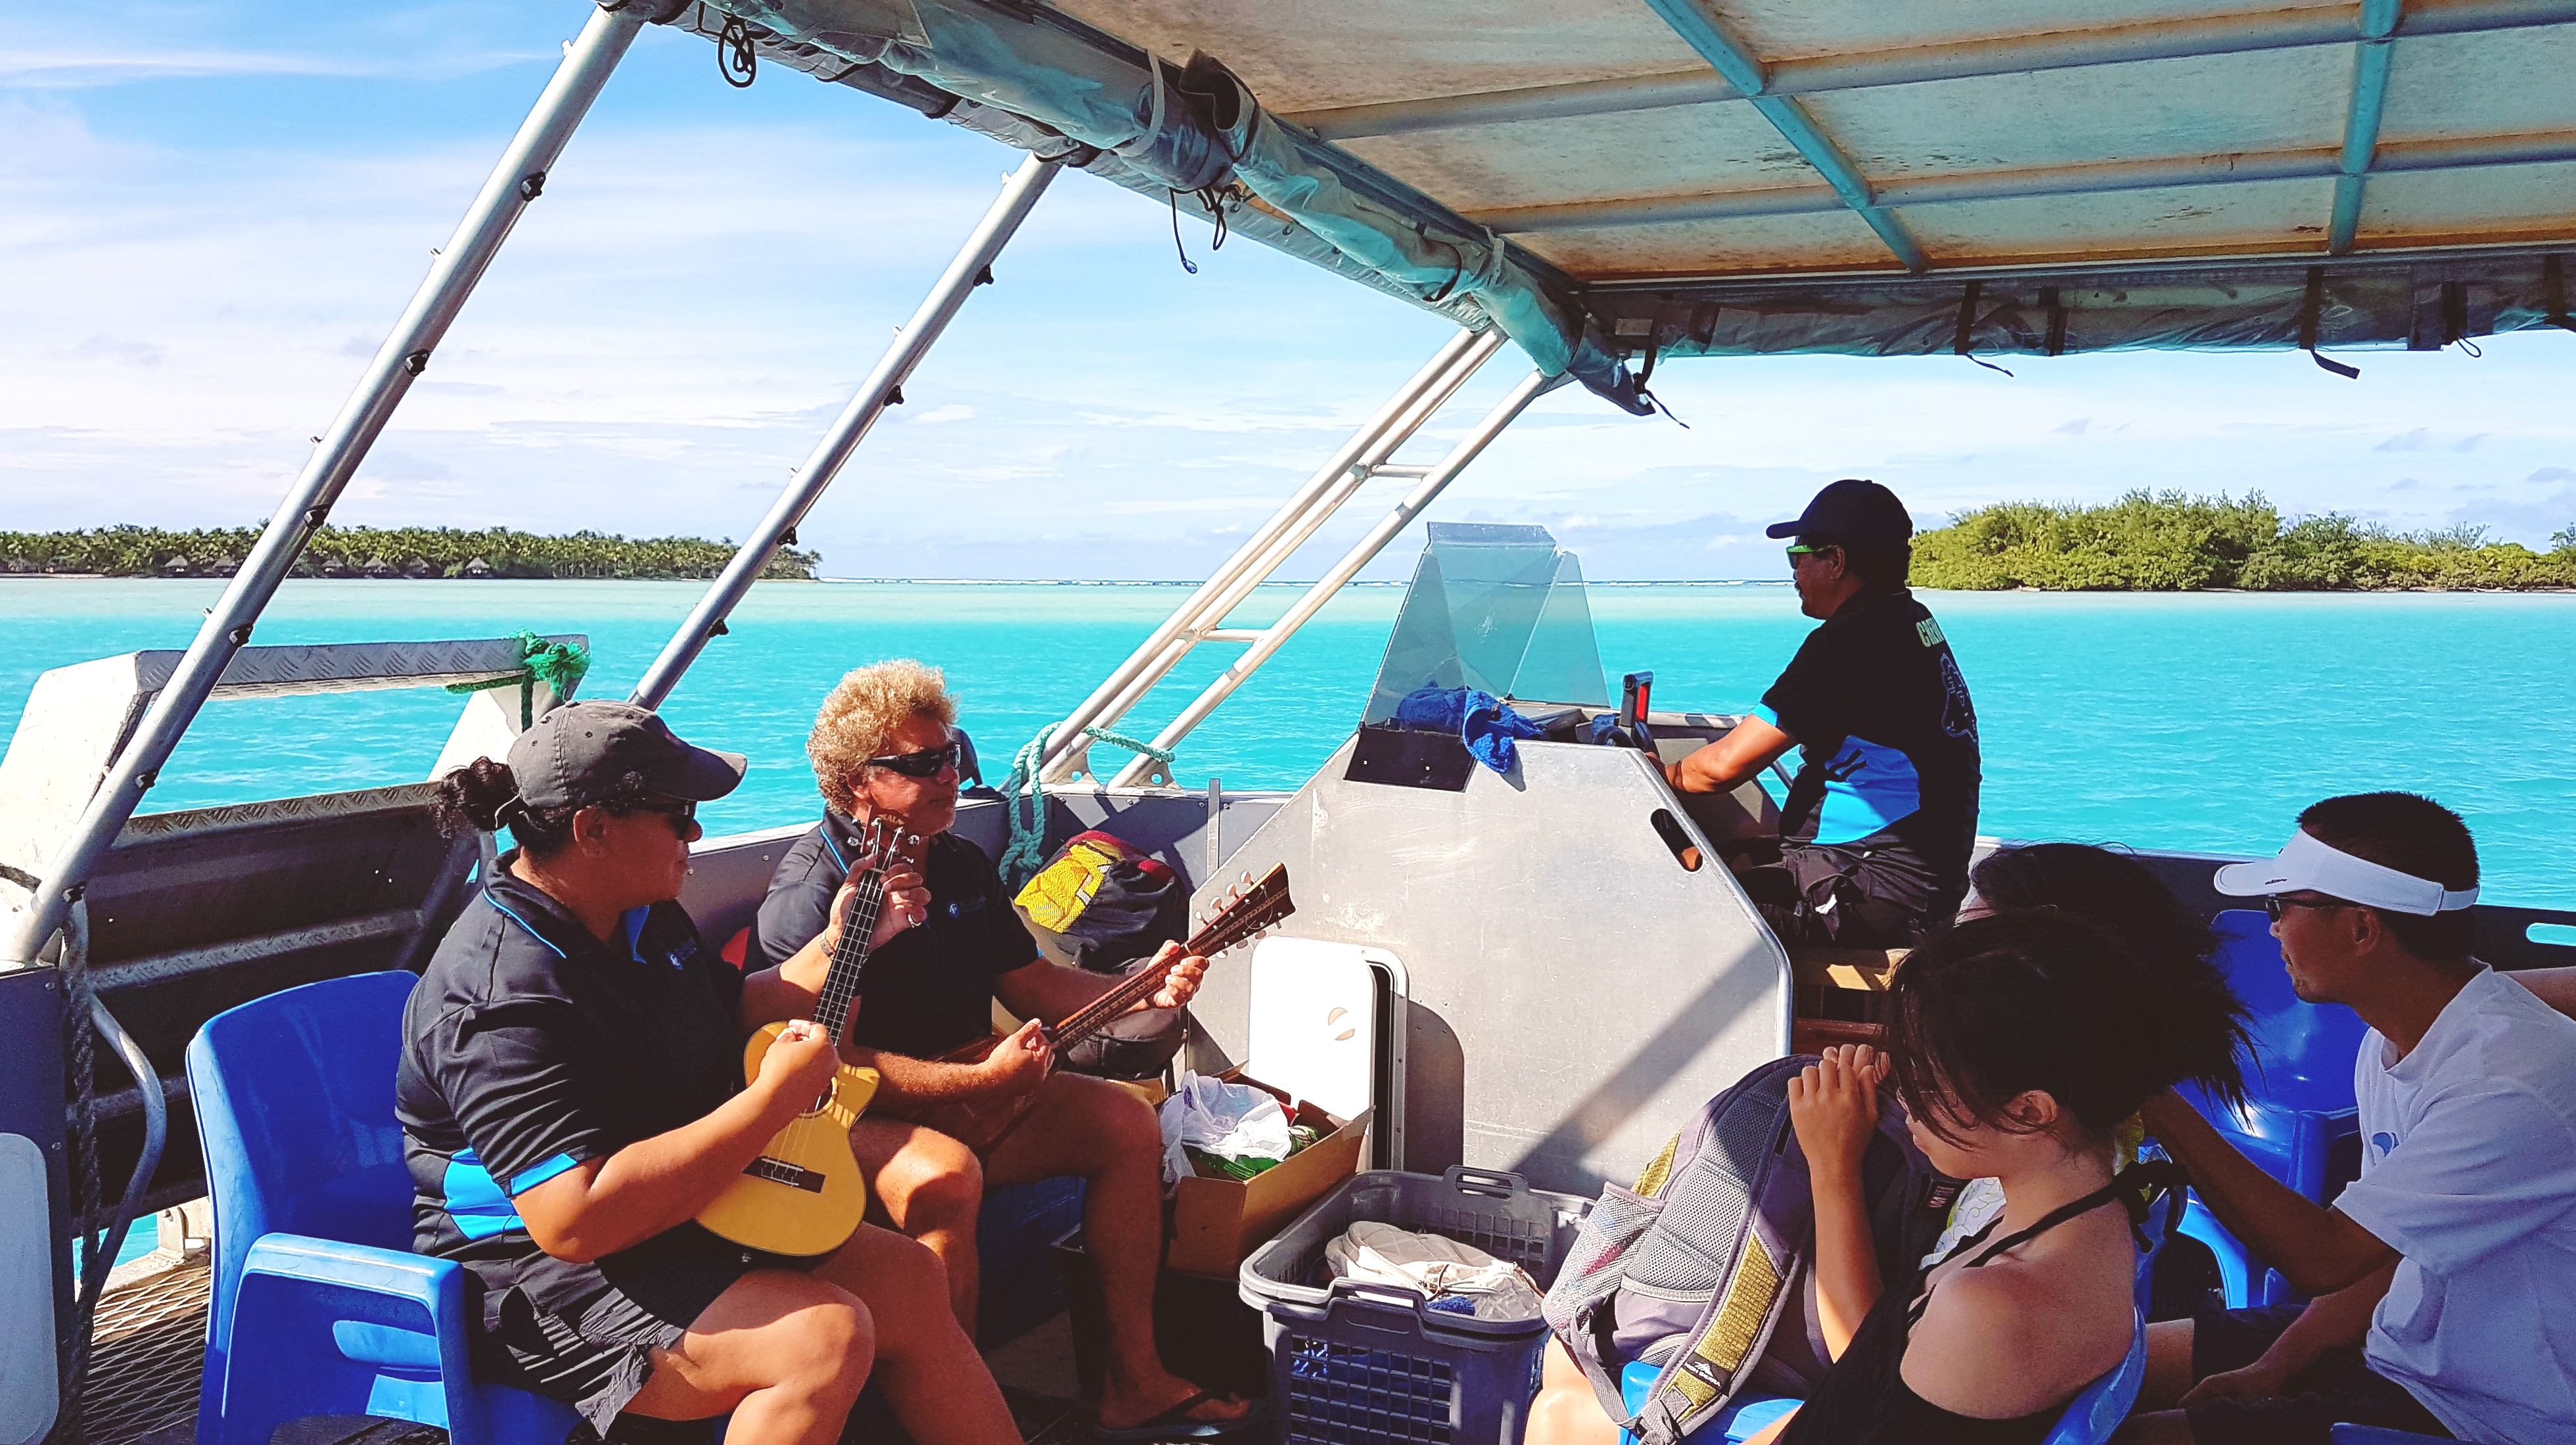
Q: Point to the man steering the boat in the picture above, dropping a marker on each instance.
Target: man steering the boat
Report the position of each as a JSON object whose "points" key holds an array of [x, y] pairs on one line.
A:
{"points": [[1879, 823], [884, 745]]}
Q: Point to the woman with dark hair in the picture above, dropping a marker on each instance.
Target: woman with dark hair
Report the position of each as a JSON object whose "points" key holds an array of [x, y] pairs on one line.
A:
{"points": [[2115, 890], [2017, 1042], [571, 1097], [2023, 1041]]}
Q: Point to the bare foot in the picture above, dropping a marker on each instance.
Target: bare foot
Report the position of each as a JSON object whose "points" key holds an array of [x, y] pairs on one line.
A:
{"points": [[1126, 1404]]}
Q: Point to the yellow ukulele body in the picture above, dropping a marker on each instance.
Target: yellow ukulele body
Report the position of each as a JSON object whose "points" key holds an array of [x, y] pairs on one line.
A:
{"points": [[803, 1196]]}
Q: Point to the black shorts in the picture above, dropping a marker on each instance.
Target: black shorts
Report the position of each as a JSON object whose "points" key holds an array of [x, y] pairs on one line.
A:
{"points": [[1850, 897], [596, 1354], [2337, 1389]]}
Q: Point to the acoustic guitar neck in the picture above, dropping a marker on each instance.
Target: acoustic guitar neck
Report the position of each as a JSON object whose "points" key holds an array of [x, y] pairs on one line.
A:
{"points": [[1249, 912]]}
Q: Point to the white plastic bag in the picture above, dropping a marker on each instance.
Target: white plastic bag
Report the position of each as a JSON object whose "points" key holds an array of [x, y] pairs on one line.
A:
{"points": [[1230, 1121], [1456, 1278]]}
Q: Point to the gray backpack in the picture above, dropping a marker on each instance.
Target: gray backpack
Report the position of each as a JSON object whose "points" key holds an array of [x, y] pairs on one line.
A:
{"points": [[1702, 1268]]}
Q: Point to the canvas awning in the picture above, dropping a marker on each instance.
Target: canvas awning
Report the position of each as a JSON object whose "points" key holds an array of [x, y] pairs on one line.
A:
{"points": [[1607, 179]]}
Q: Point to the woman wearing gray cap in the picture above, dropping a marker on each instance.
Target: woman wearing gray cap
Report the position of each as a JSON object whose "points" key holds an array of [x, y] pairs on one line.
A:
{"points": [[571, 1098]]}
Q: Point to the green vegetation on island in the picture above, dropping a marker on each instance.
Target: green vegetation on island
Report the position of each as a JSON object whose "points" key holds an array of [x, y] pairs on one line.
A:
{"points": [[2169, 542], [384, 552]]}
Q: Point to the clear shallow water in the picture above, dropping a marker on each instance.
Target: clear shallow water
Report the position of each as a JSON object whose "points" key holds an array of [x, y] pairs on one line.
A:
{"points": [[2190, 722]]}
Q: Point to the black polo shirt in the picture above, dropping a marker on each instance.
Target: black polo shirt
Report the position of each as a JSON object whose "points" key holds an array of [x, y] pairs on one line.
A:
{"points": [[530, 1047], [930, 988], [1886, 733]]}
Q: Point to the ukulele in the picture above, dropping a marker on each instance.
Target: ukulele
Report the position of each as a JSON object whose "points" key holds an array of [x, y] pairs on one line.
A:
{"points": [[803, 1196], [982, 1123]]}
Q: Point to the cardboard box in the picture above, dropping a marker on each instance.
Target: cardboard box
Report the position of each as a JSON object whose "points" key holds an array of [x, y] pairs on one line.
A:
{"points": [[1216, 1222]]}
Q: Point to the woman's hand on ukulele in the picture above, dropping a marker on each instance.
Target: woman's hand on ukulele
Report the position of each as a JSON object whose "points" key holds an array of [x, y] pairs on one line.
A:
{"points": [[1833, 1104], [1019, 1063], [799, 1066], [1182, 983]]}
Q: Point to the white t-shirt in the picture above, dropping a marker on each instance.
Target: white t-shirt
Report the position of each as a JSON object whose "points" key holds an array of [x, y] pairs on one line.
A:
{"points": [[2468, 1169]]}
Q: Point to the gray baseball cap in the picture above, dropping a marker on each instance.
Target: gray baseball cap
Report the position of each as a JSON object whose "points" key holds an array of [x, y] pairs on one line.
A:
{"points": [[581, 753]]}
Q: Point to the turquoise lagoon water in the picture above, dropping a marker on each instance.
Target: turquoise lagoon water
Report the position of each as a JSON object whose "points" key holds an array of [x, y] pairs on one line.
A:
{"points": [[2191, 722]]}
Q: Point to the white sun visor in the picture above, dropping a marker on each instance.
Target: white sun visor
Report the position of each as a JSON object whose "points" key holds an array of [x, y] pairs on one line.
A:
{"points": [[2307, 865]]}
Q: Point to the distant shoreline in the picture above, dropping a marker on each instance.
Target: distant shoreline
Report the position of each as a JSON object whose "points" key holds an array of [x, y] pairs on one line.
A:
{"points": [[2170, 542]]}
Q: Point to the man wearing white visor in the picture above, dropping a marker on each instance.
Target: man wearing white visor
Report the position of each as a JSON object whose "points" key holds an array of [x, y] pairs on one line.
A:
{"points": [[2445, 1277]]}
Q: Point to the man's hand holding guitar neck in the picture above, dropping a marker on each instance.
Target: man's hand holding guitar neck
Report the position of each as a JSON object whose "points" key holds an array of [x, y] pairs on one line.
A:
{"points": [[1041, 991]]}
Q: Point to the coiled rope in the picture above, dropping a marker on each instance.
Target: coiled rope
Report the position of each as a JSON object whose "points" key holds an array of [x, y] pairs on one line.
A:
{"points": [[1025, 800], [559, 665]]}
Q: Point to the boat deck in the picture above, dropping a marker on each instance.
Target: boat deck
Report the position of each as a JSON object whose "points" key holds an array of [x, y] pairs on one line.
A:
{"points": [[152, 1339]]}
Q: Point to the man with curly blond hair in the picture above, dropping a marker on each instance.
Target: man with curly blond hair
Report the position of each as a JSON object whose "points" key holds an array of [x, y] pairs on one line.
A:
{"points": [[885, 744]]}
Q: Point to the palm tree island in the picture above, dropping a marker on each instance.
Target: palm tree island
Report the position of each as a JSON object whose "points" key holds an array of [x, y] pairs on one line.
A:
{"points": [[385, 552]]}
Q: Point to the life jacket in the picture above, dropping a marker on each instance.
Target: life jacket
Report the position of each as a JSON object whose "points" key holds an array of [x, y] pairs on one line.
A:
{"points": [[1704, 1268]]}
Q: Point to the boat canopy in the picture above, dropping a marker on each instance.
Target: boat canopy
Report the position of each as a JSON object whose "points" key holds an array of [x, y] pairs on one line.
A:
{"points": [[1612, 180]]}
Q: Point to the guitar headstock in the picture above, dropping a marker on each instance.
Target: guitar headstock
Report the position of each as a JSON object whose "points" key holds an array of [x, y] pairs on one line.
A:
{"points": [[1250, 907], [889, 841]]}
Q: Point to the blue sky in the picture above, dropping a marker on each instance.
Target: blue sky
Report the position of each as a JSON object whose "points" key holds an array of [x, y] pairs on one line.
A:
{"points": [[211, 214]]}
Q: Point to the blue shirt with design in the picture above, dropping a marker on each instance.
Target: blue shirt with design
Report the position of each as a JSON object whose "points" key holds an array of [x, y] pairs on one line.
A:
{"points": [[529, 1047], [1887, 736]]}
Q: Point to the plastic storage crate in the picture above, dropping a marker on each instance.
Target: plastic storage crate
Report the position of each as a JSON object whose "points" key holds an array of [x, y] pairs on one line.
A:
{"points": [[1353, 1362]]}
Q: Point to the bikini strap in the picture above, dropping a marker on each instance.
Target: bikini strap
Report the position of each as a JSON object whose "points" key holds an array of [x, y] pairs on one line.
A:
{"points": [[2136, 1187]]}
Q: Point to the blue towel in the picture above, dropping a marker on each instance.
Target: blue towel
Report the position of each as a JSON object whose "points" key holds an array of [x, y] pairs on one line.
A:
{"points": [[1485, 723]]}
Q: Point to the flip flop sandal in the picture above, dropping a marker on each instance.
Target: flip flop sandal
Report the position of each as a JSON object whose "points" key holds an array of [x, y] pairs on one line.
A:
{"points": [[1175, 1424]]}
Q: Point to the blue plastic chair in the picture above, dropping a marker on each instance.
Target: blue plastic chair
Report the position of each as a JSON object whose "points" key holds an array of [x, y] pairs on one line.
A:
{"points": [[2089, 1419], [320, 1307], [2299, 1122]]}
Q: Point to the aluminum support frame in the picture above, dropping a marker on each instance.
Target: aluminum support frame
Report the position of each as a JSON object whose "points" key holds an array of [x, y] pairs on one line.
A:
{"points": [[1276, 635], [2361, 124], [2316, 163], [1197, 619], [1698, 26], [706, 621], [2056, 49], [519, 179]]}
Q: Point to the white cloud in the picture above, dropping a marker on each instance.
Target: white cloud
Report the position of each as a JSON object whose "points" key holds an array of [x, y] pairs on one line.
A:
{"points": [[194, 288]]}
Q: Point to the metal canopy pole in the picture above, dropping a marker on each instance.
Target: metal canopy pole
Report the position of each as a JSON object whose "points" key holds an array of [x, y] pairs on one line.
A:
{"points": [[884, 385], [1196, 620], [1271, 638], [517, 180]]}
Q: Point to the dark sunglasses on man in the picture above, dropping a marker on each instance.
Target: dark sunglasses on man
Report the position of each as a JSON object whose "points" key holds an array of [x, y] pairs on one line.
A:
{"points": [[927, 762], [2276, 904]]}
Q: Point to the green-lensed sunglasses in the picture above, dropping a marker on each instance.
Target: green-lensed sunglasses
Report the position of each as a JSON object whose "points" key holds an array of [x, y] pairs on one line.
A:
{"points": [[1805, 549]]}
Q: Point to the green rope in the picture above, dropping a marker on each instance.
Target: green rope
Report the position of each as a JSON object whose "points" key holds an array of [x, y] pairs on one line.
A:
{"points": [[1026, 801], [559, 665]]}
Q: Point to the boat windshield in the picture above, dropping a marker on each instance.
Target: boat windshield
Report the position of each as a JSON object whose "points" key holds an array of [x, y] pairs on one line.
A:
{"points": [[1497, 608]]}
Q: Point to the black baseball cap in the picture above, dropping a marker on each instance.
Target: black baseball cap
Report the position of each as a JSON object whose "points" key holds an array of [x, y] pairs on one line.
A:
{"points": [[580, 754], [1854, 513]]}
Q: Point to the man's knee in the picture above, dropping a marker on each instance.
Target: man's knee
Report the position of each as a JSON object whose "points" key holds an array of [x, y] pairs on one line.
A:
{"points": [[947, 1197], [1123, 1122], [934, 1182], [830, 1343]]}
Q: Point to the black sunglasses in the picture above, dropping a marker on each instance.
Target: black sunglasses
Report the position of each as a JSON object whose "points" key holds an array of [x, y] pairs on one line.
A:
{"points": [[2274, 904], [684, 810], [926, 763]]}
